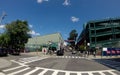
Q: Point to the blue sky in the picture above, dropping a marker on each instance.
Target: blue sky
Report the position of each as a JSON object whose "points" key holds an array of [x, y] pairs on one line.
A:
{"points": [[51, 16]]}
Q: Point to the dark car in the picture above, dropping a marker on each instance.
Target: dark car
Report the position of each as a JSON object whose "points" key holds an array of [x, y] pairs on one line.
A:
{"points": [[3, 52], [14, 52], [60, 52]]}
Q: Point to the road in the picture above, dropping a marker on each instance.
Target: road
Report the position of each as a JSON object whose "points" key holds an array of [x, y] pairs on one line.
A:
{"points": [[68, 64]]}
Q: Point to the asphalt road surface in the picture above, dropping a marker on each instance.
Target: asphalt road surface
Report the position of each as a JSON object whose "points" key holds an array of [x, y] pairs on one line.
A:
{"points": [[57, 65]]}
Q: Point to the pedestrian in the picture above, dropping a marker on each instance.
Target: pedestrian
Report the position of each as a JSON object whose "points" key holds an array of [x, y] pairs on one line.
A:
{"points": [[94, 52], [44, 52]]}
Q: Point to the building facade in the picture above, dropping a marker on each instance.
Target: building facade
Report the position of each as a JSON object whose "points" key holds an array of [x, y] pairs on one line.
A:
{"points": [[101, 33], [44, 41]]}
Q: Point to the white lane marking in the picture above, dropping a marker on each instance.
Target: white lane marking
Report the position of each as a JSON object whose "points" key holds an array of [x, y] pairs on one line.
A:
{"points": [[12, 68], [43, 72], [33, 60], [29, 57], [32, 71], [16, 72], [112, 73], [73, 57], [78, 73], [67, 73], [90, 73], [76, 57], [69, 56], [101, 73], [22, 64], [55, 73], [66, 56], [28, 60], [2, 73]]}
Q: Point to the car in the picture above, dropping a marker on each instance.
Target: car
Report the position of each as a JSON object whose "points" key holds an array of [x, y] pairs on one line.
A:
{"points": [[14, 52], [74, 52], [3, 52], [60, 52]]}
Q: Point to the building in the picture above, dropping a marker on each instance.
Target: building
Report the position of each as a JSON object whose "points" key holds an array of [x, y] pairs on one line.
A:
{"points": [[101, 33], [44, 41]]}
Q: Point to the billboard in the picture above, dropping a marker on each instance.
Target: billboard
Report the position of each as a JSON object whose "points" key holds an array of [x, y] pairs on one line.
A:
{"points": [[111, 51]]}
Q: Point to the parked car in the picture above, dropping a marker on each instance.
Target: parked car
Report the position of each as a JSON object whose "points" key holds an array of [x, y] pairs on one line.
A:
{"points": [[3, 52], [14, 52]]}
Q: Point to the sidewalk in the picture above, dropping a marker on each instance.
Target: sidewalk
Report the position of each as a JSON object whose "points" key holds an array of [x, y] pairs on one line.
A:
{"points": [[4, 63], [90, 56], [102, 57], [37, 54]]}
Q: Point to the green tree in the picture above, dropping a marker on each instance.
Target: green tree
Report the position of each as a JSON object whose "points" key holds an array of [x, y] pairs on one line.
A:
{"points": [[72, 37], [17, 31], [4, 40], [82, 47]]}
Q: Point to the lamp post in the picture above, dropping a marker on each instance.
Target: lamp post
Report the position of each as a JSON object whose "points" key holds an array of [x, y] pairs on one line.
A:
{"points": [[36, 45], [88, 47]]}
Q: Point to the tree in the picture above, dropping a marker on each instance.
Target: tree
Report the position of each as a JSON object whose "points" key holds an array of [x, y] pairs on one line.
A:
{"points": [[4, 40], [17, 31], [72, 37]]}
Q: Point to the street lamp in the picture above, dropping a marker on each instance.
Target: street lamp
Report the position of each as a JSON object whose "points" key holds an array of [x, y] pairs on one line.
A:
{"points": [[88, 47]]}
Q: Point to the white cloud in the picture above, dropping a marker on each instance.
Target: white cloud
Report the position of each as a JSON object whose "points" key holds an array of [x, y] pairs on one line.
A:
{"points": [[74, 19], [32, 32], [30, 26], [2, 26], [40, 1], [37, 33], [66, 2]]}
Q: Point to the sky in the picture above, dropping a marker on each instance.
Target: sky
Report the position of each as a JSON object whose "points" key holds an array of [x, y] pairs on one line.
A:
{"points": [[51, 16]]}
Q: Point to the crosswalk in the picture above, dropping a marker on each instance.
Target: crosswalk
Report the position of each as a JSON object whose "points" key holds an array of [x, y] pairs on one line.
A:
{"points": [[31, 59], [110, 63], [72, 57], [26, 70], [23, 69]]}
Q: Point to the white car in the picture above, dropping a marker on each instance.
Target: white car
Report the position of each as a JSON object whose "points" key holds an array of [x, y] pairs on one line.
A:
{"points": [[74, 52]]}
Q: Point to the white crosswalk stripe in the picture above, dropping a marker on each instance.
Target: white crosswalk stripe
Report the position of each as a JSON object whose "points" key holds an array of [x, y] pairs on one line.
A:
{"points": [[43, 72], [101, 73], [16, 72], [67, 73], [12, 68], [55, 72], [2, 74], [74, 57], [112, 73], [31, 59], [30, 70], [90, 73]]}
